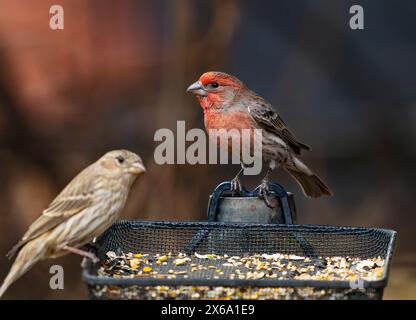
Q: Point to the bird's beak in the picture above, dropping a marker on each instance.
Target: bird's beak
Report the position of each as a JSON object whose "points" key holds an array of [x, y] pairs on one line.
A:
{"points": [[197, 88], [137, 168]]}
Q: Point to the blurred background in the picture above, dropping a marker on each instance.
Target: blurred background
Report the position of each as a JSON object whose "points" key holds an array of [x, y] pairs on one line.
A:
{"points": [[118, 72]]}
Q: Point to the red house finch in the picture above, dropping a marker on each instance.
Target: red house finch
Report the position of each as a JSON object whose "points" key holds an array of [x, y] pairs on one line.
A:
{"points": [[87, 206], [228, 104]]}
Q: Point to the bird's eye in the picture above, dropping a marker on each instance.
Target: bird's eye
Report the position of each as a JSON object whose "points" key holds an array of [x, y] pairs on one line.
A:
{"points": [[215, 84], [120, 159]]}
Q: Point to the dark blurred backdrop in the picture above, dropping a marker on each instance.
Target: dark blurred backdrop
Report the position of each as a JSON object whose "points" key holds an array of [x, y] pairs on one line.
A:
{"points": [[119, 70]]}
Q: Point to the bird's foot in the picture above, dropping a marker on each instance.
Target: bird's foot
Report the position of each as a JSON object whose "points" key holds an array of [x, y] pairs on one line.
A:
{"points": [[236, 187], [84, 262], [91, 256], [85, 254], [264, 194]]}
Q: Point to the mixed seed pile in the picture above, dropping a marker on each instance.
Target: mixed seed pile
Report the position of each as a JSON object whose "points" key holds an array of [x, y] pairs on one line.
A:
{"points": [[135, 292], [214, 266]]}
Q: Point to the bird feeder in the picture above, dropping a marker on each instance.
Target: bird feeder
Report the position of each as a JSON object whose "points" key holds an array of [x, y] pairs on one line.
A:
{"points": [[245, 250]]}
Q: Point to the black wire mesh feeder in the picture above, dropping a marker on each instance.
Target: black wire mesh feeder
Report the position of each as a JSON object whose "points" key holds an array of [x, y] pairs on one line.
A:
{"points": [[246, 250]]}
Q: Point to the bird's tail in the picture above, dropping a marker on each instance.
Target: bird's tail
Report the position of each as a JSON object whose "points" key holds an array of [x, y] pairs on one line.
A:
{"points": [[30, 253], [311, 184]]}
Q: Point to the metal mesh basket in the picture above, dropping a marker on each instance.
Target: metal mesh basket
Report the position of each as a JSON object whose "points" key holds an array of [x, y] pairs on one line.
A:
{"points": [[314, 242]]}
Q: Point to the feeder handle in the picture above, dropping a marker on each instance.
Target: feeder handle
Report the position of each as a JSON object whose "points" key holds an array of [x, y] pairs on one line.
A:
{"points": [[279, 191], [215, 198]]}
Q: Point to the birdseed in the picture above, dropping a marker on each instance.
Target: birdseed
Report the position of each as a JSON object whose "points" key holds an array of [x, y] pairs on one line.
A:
{"points": [[213, 266]]}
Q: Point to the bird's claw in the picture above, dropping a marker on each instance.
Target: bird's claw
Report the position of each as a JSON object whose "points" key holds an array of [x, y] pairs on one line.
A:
{"points": [[236, 187], [94, 258], [89, 256], [264, 194], [84, 263]]}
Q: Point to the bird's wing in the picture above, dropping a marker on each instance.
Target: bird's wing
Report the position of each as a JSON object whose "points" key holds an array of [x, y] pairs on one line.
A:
{"points": [[71, 201], [267, 118]]}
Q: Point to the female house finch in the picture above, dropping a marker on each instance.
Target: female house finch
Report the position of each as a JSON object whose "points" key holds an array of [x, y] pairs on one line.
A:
{"points": [[87, 206], [228, 104]]}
